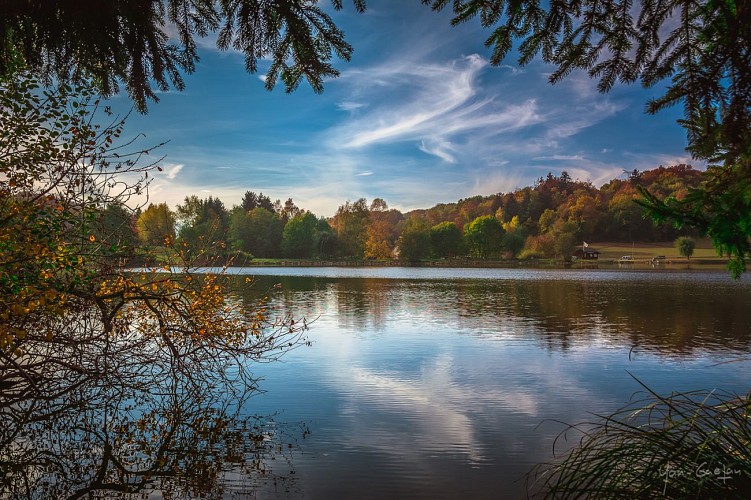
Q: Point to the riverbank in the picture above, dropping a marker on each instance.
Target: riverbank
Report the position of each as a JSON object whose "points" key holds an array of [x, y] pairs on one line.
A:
{"points": [[641, 255]]}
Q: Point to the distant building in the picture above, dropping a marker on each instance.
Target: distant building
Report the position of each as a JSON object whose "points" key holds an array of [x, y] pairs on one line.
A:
{"points": [[587, 253]]}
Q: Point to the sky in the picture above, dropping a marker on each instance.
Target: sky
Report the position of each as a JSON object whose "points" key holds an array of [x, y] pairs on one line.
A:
{"points": [[417, 117]]}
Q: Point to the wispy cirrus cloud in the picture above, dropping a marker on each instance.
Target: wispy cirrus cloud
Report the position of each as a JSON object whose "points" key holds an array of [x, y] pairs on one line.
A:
{"points": [[428, 104], [439, 147], [572, 118], [561, 157]]}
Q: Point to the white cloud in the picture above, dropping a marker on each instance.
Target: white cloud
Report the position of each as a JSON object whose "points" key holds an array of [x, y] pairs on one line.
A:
{"points": [[486, 183], [569, 120], [440, 148], [645, 161], [581, 84], [430, 103], [514, 70], [171, 171], [561, 158], [351, 106]]}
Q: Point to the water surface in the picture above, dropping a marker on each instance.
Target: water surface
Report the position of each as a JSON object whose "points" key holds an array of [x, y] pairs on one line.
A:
{"points": [[448, 383]]}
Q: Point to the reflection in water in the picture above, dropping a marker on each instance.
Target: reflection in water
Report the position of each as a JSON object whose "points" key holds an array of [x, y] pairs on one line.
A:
{"points": [[86, 413], [679, 313], [439, 387], [103, 442], [428, 385], [443, 403]]}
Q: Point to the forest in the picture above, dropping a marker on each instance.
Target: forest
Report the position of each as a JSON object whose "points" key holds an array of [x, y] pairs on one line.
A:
{"points": [[546, 220]]}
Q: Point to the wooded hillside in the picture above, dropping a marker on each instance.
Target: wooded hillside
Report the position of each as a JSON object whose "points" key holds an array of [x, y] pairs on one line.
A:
{"points": [[544, 220]]}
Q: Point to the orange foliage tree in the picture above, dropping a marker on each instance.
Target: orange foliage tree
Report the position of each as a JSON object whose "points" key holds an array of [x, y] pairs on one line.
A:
{"points": [[68, 306]]}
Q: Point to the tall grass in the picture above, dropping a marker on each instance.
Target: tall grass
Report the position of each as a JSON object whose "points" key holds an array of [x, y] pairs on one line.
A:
{"points": [[687, 445]]}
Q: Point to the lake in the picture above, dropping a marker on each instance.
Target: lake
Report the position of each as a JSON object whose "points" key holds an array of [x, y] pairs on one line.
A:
{"points": [[453, 383]]}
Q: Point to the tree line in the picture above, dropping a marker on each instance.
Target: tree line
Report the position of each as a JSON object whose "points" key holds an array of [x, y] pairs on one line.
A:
{"points": [[545, 220]]}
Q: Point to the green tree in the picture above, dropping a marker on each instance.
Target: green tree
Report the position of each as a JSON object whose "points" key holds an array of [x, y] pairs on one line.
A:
{"points": [[298, 238], [484, 236], [378, 205], [685, 246], [252, 200], [326, 240], [115, 226], [289, 210], [515, 236], [547, 220], [414, 242], [350, 223], [204, 224], [446, 240], [514, 241], [565, 244], [266, 231], [156, 225], [258, 232], [625, 215], [63, 40]]}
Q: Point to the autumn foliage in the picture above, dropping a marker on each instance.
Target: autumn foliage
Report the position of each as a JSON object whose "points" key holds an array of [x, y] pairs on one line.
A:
{"points": [[67, 237]]}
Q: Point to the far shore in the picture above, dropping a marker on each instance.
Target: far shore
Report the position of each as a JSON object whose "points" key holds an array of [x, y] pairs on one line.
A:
{"points": [[611, 255], [643, 255], [680, 263]]}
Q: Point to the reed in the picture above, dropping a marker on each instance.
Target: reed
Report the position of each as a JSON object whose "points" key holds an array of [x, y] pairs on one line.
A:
{"points": [[686, 445]]}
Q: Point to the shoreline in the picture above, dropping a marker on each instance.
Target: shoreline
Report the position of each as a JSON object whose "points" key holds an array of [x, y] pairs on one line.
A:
{"points": [[490, 263]]}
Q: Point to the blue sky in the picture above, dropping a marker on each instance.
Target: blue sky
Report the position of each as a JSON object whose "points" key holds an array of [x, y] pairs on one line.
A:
{"points": [[417, 117]]}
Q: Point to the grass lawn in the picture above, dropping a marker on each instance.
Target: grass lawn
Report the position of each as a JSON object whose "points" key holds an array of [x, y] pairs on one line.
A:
{"points": [[645, 251]]}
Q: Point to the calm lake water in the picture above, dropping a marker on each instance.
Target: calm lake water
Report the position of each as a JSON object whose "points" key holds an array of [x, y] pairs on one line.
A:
{"points": [[453, 383]]}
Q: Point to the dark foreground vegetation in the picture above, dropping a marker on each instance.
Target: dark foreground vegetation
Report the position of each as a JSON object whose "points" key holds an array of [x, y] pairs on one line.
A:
{"points": [[685, 445]]}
